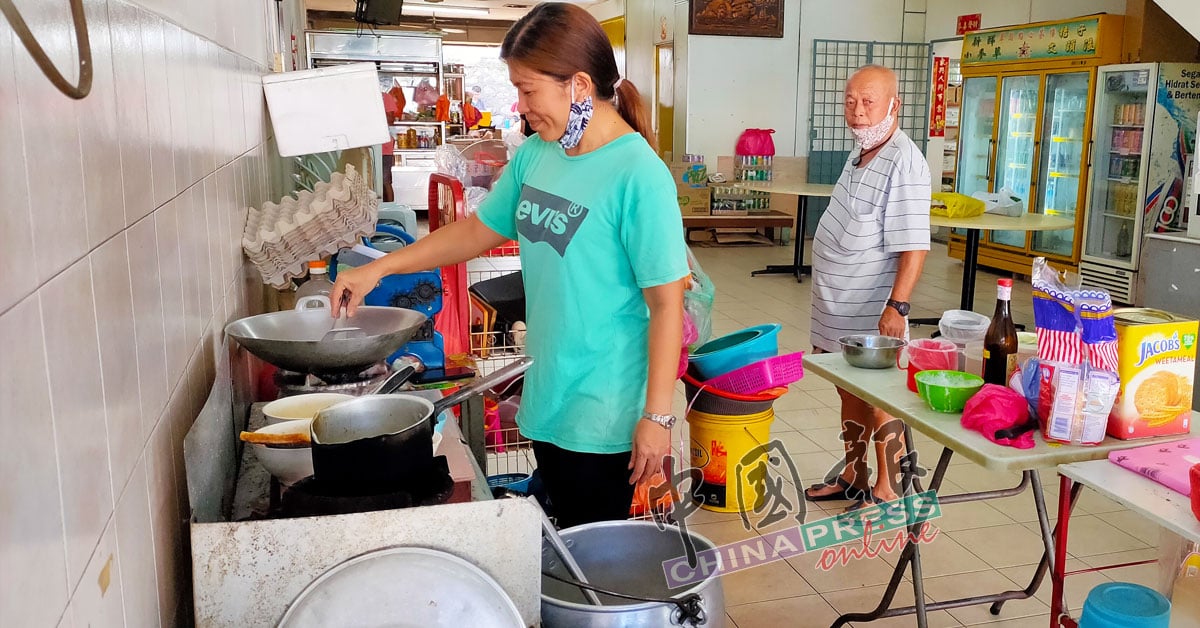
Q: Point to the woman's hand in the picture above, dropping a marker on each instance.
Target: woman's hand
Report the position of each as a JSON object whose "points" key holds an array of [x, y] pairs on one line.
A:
{"points": [[352, 286], [651, 442]]}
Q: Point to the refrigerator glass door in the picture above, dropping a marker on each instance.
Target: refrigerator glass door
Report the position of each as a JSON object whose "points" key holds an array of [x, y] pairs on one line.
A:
{"points": [[977, 121], [1015, 145], [1113, 219], [1064, 119]]}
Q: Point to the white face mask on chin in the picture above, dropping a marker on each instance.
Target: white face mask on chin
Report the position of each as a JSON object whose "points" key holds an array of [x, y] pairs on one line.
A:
{"points": [[872, 136]]}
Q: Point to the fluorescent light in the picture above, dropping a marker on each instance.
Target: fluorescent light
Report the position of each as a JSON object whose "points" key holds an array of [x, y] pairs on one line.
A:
{"points": [[424, 9]]}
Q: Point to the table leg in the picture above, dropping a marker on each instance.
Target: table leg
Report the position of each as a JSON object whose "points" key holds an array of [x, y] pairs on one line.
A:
{"points": [[1068, 493], [1047, 561], [796, 268], [909, 556], [970, 267], [914, 532]]}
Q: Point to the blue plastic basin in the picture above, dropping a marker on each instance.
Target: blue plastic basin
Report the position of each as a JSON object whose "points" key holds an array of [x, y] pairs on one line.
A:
{"points": [[733, 351]]}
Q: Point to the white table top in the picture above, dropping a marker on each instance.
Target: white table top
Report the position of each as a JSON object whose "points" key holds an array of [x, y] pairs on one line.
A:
{"points": [[789, 185], [1024, 222], [1142, 495], [886, 389]]}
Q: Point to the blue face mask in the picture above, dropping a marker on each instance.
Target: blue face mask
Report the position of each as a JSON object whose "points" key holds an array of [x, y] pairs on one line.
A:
{"points": [[577, 121]]}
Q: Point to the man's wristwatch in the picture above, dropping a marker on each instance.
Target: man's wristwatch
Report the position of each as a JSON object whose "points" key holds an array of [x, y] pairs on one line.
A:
{"points": [[665, 420], [900, 306]]}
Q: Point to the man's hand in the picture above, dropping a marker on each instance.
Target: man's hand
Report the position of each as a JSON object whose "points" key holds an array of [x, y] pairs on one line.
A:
{"points": [[651, 442], [891, 323]]}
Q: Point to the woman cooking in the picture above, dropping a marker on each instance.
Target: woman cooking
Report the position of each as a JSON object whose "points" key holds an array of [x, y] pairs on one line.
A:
{"points": [[604, 261]]}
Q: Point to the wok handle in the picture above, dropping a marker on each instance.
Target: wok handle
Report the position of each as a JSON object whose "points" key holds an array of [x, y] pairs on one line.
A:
{"points": [[480, 385]]}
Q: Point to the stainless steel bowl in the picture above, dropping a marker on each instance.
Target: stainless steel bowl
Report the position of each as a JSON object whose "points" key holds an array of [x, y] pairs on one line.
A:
{"points": [[869, 351]]}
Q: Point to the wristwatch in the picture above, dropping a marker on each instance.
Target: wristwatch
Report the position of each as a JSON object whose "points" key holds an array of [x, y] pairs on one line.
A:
{"points": [[900, 306], [665, 420]]}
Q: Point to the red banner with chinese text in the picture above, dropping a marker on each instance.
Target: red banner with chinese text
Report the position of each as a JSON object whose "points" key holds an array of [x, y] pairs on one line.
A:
{"points": [[937, 108]]}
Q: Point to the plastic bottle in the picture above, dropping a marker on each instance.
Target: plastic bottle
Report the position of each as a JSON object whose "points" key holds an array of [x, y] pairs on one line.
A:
{"points": [[1185, 598], [318, 283], [1000, 343]]}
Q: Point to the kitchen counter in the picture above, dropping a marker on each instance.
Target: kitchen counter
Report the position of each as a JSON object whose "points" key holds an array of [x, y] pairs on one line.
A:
{"points": [[247, 571]]}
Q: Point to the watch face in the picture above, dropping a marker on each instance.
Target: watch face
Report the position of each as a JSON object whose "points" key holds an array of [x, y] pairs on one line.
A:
{"points": [[900, 306]]}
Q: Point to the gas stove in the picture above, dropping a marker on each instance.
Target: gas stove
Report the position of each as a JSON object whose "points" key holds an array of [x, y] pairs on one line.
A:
{"points": [[310, 498], [291, 383]]}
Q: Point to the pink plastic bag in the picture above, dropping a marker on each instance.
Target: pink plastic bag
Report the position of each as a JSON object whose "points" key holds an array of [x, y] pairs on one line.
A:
{"points": [[756, 142], [996, 408]]}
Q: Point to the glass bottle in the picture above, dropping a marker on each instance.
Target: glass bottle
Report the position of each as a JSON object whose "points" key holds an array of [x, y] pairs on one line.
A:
{"points": [[1124, 241], [1000, 342]]}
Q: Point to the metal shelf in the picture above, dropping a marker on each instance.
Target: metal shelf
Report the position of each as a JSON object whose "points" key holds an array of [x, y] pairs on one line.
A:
{"points": [[1108, 215], [1128, 126], [417, 123]]}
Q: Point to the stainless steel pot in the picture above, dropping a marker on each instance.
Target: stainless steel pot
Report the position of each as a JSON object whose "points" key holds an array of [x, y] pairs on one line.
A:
{"points": [[624, 557], [376, 443]]}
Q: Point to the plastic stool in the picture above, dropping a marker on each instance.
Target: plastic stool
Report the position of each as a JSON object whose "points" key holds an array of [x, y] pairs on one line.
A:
{"points": [[1125, 605]]}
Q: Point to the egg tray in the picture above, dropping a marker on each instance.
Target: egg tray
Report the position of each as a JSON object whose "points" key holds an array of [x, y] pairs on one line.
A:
{"points": [[281, 237]]}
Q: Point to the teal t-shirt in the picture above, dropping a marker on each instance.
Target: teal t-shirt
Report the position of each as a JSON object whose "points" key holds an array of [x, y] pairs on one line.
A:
{"points": [[594, 229]]}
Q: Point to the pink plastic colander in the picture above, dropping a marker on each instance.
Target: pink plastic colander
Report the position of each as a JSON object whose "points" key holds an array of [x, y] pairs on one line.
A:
{"points": [[773, 372]]}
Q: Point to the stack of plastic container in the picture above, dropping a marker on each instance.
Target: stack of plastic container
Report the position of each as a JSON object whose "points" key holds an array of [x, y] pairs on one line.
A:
{"points": [[732, 384]]}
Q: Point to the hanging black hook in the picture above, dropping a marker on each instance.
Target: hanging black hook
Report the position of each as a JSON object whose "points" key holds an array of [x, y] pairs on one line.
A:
{"points": [[78, 92]]}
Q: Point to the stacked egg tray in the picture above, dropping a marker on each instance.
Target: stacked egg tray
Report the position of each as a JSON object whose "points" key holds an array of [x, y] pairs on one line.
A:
{"points": [[280, 238]]}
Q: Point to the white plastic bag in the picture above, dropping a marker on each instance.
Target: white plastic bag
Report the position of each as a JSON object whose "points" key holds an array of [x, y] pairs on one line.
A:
{"points": [[698, 299], [1003, 201]]}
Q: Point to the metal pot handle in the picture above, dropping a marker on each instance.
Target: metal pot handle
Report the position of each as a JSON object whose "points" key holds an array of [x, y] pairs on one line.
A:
{"points": [[481, 384]]}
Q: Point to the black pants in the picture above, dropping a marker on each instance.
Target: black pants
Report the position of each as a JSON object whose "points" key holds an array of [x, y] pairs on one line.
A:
{"points": [[584, 487]]}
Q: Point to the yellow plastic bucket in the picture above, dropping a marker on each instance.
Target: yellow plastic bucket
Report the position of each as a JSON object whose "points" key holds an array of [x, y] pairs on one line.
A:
{"points": [[719, 444]]}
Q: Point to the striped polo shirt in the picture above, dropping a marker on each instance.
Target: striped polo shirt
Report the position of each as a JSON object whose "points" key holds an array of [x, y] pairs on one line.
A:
{"points": [[876, 212]]}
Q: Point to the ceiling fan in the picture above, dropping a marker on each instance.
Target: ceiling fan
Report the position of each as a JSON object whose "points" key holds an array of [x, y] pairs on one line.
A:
{"points": [[433, 28]]}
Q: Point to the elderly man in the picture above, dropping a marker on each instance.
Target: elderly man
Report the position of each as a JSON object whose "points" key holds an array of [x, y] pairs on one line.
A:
{"points": [[868, 253]]}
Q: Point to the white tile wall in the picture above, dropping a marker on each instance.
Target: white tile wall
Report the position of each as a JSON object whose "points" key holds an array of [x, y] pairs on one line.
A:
{"points": [[120, 233], [33, 562], [77, 406]]}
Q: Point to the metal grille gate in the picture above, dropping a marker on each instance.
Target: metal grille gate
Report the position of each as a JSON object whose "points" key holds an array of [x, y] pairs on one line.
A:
{"points": [[834, 60]]}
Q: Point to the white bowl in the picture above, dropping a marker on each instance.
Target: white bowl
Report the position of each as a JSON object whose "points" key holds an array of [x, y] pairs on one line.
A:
{"points": [[288, 464], [301, 407]]}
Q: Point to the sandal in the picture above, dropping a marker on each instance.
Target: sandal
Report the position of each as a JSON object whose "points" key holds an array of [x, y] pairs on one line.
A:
{"points": [[848, 491]]}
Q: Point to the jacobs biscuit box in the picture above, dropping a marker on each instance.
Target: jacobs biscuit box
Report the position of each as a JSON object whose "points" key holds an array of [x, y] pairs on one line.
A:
{"points": [[1157, 365]]}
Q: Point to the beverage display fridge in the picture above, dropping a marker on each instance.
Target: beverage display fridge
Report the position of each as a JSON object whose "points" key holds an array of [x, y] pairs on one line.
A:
{"points": [[1144, 131], [1026, 127]]}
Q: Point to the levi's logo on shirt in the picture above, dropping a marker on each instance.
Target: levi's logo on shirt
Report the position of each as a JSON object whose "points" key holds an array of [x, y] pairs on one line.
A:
{"points": [[544, 217]]}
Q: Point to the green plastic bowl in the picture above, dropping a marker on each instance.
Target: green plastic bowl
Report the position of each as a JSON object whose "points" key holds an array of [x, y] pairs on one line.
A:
{"points": [[947, 391]]}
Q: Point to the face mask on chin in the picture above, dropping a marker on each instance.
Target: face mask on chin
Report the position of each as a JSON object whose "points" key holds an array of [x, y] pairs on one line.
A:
{"points": [[577, 121], [874, 135]]}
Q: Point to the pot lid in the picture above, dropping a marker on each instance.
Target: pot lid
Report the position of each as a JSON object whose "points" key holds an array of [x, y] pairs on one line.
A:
{"points": [[403, 586]]}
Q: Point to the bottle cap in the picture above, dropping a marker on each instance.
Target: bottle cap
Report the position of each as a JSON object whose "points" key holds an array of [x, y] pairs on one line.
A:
{"points": [[319, 266], [1006, 283]]}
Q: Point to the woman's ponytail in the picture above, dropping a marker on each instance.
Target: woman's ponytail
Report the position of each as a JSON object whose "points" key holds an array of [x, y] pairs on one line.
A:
{"points": [[628, 101]]}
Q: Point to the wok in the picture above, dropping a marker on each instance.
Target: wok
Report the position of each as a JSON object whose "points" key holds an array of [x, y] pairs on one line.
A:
{"points": [[292, 339]]}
